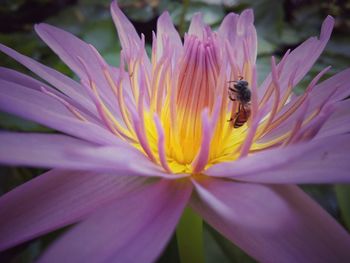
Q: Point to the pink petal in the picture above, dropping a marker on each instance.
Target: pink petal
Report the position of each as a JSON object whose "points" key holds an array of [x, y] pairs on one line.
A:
{"points": [[246, 26], [197, 26], [44, 109], [59, 151], [331, 91], [302, 58], [56, 199], [240, 32], [134, 229], [272, 223], [35, 96], [129, 38], [73, 51], [121, 159], [166, 29], [22, 80], [338, 123], [58, 80], [323, 160], [45, 150], [228, 27]]}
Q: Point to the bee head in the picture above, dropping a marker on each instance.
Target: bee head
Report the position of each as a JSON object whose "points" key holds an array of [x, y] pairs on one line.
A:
{"points": [[242, 83]]}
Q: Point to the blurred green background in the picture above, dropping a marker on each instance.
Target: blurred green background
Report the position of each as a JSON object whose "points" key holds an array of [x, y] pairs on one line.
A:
{"points": [[280, 24]]}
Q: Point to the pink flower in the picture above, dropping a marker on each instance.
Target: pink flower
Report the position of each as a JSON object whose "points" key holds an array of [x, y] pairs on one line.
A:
{"points": [[142, 141]]}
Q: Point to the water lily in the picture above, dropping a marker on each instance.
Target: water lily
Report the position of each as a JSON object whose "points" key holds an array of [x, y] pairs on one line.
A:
{"points": [[140, 142]]}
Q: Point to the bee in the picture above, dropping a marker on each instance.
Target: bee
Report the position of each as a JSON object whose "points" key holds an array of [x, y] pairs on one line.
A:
{"points": [[240, 92]]}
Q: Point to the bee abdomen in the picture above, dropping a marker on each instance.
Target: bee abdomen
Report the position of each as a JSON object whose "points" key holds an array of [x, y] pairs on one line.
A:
{"points": [[239, 123]]}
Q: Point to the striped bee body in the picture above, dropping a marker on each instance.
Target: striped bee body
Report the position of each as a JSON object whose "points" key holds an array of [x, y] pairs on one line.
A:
{"points": [[242, 115], [240, 92]]}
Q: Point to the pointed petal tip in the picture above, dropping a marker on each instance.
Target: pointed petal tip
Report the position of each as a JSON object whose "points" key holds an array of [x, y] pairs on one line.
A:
{"points": [[41, 26], [115, 9], [128, 36], [43, 29], [231, 15], [249, 15], [37, 27], [113, 5], [164, 14], [197, 25], [197, 16], [164, 19], [329, 19], [327, 28]]}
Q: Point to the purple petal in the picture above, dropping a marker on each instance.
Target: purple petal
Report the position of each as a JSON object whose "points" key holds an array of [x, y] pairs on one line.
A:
{"points": [[45, 150], [197, 26], [58, 80], [301, 59], [246, 28], [22, 80], [331, 90], [18, 91], [44, 109], [122, 159], [59, 151], [72, 51], [129, 38], [134, 229], [338, 123], [323, 160], [272, 223], [166, 29], [56, 199], [228, 27], [240, 33]]}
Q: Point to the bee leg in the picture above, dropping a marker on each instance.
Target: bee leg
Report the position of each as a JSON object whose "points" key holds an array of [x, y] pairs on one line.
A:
{"points": [[230, 97], [232, 89]]}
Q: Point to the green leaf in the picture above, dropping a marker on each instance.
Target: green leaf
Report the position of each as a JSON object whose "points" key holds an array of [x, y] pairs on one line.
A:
{"points": [[343, 196], [213, 251], [263, 67], [11, 122], [265, 47], [233, 253], [101, 35]]}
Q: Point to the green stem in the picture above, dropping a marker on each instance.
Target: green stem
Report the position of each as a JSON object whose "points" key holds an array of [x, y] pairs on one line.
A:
{"points": [[189, 234], [185, 5]]}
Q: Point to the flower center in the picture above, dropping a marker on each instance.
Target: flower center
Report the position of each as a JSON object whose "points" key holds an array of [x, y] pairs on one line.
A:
{"points": [[195, 112], [185, 109]]}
